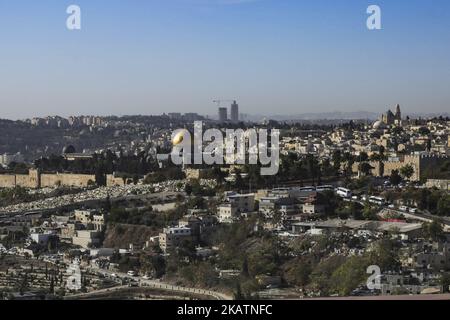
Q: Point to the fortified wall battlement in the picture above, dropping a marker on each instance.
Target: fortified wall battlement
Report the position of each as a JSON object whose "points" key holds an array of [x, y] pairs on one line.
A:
{"points": [[420, 164], [30, 180], [35, 180]]}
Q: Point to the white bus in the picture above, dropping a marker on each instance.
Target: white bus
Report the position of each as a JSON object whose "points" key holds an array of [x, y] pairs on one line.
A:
{"points": [[343, 192], [377, 200]]}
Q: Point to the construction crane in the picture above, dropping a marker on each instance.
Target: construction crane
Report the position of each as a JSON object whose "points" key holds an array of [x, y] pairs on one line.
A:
{"points": [[223, 111], [219, 102]]}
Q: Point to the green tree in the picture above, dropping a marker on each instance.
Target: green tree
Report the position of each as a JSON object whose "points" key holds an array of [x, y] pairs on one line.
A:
{"points": [[322, 272], [363, 157], [395, 178], [238, 293], [205, 275], [443, 206], [365, 168], [297, 271], [407, 171], [445, 281], [349, 275], [369, 212], [424, 131], [331, 202], [434, 230], [52, 284], [245, 272], [397, 130], [385, 254], [337, 160], [188, 189]]}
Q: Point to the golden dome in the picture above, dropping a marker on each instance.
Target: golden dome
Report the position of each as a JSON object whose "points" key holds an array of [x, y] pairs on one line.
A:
{"points": [[179, 137]]}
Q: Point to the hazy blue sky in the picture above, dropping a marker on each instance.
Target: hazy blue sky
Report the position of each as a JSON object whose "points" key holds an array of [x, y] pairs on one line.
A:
{"points": [[273, 56]]}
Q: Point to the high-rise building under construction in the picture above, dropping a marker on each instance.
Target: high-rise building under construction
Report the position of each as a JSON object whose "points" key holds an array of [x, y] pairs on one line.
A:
{"points": [[223, 117]]}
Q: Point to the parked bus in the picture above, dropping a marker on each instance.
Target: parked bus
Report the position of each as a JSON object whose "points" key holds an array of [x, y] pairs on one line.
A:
{"points": [[343, 192], [377, 200]]}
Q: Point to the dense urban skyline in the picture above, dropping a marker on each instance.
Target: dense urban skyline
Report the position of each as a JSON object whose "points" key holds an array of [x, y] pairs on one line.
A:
{"points": [[274, 57]]}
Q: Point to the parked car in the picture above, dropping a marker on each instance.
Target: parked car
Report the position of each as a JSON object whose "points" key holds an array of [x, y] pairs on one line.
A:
{"points": [[403, 208]]}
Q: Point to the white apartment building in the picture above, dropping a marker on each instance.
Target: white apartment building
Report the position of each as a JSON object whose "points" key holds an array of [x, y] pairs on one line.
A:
{"points": [[236, 205], [41, 238], [243, 202], [174, 236], [86, 238], [227, 213], [83, 216], [90, 219]]}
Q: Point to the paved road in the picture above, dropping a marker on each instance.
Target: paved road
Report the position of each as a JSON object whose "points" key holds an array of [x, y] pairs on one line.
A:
{"points": [[422, 216], [162, 196], [152, 284], [94, 293]]}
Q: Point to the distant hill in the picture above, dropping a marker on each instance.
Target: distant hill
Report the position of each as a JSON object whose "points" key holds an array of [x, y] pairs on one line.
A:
{"points": [[337, 115]]}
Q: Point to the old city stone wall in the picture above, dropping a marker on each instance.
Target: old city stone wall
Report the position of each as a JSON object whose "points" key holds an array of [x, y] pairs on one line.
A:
{"points": [[111, 180], [414, 161], [35, 180], [421, 165], [27, 181], [7, 181], [66, 179]]}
